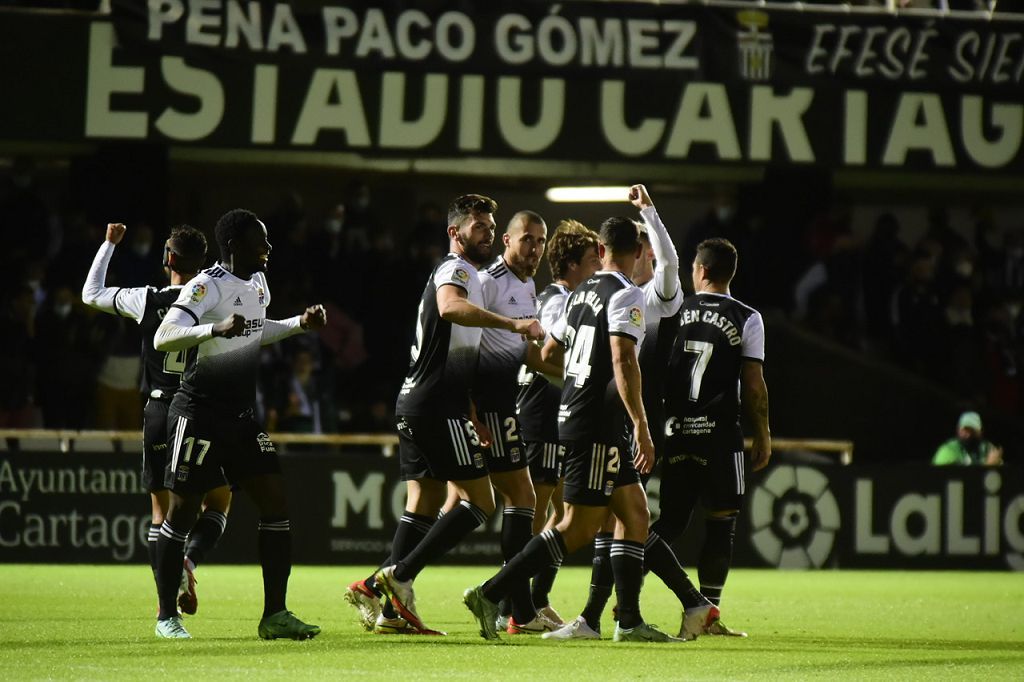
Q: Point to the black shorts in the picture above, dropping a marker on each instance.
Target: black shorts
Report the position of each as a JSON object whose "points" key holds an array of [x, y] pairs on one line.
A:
{"points": [[546, 461], [154, 444], [594, 470], [507, 451], [717, 480], [438, 447], [206, 453]]}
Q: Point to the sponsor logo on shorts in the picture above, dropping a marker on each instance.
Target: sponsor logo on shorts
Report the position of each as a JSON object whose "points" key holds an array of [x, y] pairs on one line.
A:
{"points": [[198, 292], [183, 472], [478, 460], [608, 488], [266, 445], [513, 455]]}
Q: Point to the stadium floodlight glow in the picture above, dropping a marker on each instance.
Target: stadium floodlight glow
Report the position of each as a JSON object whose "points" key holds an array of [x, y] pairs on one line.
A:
{"points": [[569, 194]]}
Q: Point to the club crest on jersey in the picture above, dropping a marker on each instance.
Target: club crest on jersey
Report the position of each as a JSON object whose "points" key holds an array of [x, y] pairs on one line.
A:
{"points": [[262, 295], [198, 292], [266, 445], [636, 316], [461, 276]]}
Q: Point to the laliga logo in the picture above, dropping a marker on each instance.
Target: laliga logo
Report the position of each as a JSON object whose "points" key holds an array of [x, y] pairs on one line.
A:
{"points": [[794, 518]]}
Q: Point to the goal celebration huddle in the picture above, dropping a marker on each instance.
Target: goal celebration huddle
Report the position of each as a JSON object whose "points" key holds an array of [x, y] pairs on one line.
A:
{"points": [[558, 403]]}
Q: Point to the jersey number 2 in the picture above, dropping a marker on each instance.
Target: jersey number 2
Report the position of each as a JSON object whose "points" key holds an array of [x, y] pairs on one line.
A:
{"points": [[703, 349]]}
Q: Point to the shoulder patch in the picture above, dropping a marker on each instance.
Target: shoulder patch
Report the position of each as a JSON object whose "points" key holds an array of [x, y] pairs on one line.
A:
{"points": [[461, 276], [636, 316], [198, 292]]}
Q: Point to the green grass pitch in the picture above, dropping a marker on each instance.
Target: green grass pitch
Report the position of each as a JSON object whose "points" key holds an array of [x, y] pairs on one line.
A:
{"points": [[96, 623]]}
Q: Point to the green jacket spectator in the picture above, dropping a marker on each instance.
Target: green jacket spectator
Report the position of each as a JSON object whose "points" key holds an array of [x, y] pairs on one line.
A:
{"points": [[969, 447]]}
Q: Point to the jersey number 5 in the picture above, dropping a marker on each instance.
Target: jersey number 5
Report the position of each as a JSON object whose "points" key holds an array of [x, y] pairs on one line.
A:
{"points": [[703, 349], [581, 345]]}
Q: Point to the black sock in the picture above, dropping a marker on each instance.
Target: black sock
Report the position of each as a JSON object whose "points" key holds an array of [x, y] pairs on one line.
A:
{"points": [[542, 550], [412, 528], [516, 531], [275, 546], [660, 559], [542, 583], [170, 555], [627, 558], [716, 556], [601, 581], [447, 532], [151, 540], [204, 535]]}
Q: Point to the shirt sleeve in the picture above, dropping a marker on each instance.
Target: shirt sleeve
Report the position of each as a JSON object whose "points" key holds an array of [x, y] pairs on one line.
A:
{"points": [[198, 297], [657, 307], [626, 314], [557, 328], [666, 274], [753, 338], [276, 330], [115, 300], [262, 283], [946, 455], [177, 331], [552, 309], [453, 271]]}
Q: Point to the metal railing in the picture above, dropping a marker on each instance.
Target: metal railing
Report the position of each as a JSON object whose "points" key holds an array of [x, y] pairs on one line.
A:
{"points": [[842, 449]]}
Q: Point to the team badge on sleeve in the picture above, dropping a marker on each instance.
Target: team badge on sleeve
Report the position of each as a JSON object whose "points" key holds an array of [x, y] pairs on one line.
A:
{"points": [[198, 292], [460, 276], [636, 316], [262, 295]]}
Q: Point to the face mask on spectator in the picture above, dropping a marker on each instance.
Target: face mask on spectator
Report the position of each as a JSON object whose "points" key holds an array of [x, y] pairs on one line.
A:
{"points": [[971, 443], [725, 213], [964, 268], [142, 248], [62, 310], [333, 225]]}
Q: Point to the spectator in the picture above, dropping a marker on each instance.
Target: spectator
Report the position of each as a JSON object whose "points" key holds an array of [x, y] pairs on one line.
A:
{"points": [[969, 447], [70, 346], [884, 266], [17, 400], [306, 405]]}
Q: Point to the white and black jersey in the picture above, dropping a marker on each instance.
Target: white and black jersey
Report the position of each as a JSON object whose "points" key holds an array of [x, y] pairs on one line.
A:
{"points": [[502, 352], [538, 400], [716, 335], [445, 355], [161, 372], [607, 304], [222, 379]]}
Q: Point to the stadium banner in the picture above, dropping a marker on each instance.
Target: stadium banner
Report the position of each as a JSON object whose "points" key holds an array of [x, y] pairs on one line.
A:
{"points": [[569, 82], [91, 508]]}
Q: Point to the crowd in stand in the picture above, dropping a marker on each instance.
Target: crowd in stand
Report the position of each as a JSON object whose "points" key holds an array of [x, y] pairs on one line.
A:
{"points": [[948, 306]]}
